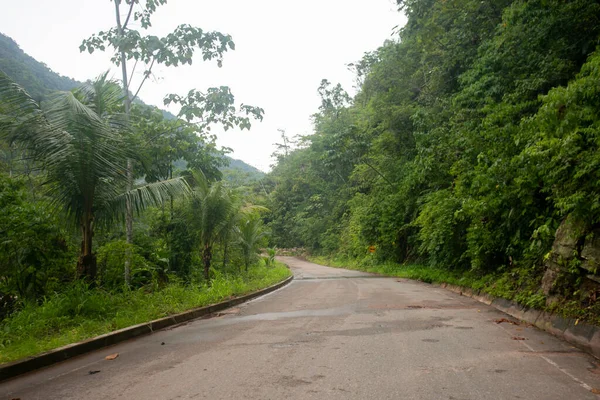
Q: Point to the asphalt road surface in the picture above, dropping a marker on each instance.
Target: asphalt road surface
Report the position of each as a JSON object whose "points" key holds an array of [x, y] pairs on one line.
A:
{"points": [[331, 334]]}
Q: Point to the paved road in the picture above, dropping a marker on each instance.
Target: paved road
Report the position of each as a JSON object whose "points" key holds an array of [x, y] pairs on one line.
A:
{"points": [[331, 334]]}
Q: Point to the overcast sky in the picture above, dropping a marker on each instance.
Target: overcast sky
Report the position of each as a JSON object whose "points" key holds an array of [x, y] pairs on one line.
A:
{"points": [[283, 50]]}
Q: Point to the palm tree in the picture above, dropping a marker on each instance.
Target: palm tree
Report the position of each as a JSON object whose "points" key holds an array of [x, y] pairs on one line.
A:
{"points": [[211, 207], [250, 232], [229, 227], [77, 139], [239, 212]]}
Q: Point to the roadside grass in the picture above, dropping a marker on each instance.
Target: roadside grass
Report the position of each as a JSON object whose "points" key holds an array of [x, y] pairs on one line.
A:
{"points": [[411, 271], [521, 286], [81, 313]]}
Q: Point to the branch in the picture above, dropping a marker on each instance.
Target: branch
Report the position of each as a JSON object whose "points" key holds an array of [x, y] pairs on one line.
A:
{"points": [[378, 173], [146, 75], [118, 16], [131, 77], [129, 14]]}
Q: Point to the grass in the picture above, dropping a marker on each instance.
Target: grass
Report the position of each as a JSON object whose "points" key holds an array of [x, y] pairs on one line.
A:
{"points": [[80, 313], [519, 285]]}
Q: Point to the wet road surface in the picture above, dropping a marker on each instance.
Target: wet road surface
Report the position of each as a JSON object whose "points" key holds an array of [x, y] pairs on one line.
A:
{"points": [[331, 334]]}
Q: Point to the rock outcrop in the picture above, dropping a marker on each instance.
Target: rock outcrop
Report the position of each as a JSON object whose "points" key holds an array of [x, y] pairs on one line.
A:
{"points": [[576, 245]]}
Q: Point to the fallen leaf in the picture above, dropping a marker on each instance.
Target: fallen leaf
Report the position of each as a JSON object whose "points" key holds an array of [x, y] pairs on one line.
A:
{"points": [[595, 391], [501, 320], [111, 357], [518, 338], [576, 321], [93, 372]]}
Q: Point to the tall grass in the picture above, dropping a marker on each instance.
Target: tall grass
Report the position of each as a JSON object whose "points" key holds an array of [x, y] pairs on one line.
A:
{"points": [[80, 313]]}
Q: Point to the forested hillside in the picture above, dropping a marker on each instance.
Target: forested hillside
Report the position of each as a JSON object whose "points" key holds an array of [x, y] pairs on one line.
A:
{"points": [[34, 76], [238, 173], [471, 147]]}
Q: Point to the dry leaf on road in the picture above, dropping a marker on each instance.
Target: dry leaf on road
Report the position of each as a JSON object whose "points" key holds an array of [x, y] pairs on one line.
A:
{"points": [[501, 320], [111, 357]]}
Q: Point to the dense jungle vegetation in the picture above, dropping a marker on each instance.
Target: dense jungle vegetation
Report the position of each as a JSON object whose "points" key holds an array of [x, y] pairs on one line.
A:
{"points": [[474, 134], [115, 212]]}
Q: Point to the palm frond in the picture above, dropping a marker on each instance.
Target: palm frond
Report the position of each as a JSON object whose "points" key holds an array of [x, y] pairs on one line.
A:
{"points": [[76, 137], [23, 122], [15, 103], [153, 194], [252, 208]]}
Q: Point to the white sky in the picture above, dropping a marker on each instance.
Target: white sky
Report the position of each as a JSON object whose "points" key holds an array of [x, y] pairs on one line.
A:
{"points": [[283, 50]]}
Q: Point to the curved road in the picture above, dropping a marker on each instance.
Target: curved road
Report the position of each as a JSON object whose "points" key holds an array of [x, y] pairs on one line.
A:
{"points": [[331, 334]]}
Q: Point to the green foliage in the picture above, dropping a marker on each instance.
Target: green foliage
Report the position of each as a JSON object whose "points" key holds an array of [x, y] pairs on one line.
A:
{"points": [[270, 258], [170, 146], [111, 260], [35, 253], [563, 140], [77, 139], [171, 50], [216, 106], [472, 136]]}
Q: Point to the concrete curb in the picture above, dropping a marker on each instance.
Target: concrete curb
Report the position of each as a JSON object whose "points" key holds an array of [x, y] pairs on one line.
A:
{"points": [[19, 367], [582, 335]]}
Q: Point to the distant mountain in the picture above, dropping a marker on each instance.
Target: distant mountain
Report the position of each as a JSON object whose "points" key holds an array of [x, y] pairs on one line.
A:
{"points": [[37, 79], [241, 165], [40, 81], [238, 173], [34, 76]]}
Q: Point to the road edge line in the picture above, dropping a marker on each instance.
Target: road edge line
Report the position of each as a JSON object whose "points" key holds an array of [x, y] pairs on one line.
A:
{"points": [[582, 335]]}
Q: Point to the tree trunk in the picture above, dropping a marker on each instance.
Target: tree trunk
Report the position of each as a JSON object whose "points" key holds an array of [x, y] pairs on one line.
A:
{"points": [[86, 265], [170, 194], [127, 104], [225, 253], [128, 224], [206, 258]]}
